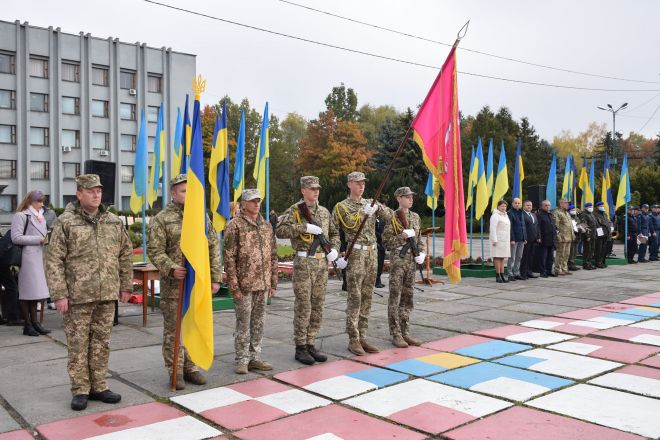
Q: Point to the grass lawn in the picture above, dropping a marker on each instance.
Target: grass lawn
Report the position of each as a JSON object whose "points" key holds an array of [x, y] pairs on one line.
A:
{"points": [[284, 250]]}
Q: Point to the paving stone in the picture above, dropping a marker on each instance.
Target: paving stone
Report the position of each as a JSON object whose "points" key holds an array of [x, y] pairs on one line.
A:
{"points": [[7, 423]]}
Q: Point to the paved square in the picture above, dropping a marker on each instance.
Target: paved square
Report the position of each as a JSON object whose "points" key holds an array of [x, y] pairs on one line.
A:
{"points": [[148, 421], [328, 423], [501, 381], [644, 300], [428, 406], [651, 324], [21, 434], [559, 364], [609, 318], [573, 326], [519, 423], [476, 346], [341, 379], [516, 333], [249, 403], [629, 309], [605, 349], [616, 409], [633, 378], [416, 361], [653, 361], [632, 334]]}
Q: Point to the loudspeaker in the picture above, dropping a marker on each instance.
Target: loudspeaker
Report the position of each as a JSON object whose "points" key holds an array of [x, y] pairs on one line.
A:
{"points": [[107, 173], [536, 193]]}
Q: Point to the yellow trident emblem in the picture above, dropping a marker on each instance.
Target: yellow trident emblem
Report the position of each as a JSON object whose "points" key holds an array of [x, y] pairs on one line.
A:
{"points": [[198, 86]]}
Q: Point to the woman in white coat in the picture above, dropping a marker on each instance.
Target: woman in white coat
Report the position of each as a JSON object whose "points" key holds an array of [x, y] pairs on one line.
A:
{"points": [[29, 230], [500, 230]]}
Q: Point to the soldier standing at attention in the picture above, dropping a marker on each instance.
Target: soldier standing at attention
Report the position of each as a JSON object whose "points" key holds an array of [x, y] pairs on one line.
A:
{"points": [[565, 236], [88, 267], [402, 269], [362, 264], [590, 236], [605, 226], [250, 257], [576, 237], [310, 272], [164, 250], [631, 239]]}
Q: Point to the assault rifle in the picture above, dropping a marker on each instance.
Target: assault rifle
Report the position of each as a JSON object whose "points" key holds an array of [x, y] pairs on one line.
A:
{"points": [[411, 243], [319, 240]]}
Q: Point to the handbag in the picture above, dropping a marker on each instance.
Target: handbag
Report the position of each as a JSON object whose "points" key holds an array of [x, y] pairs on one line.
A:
{"points": [[10, 253]]}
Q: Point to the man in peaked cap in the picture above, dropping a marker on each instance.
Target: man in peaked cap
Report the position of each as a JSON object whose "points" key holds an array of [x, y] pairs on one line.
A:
{"points": [[575, 224], [565, 236], [645, 229], [590, 236]]}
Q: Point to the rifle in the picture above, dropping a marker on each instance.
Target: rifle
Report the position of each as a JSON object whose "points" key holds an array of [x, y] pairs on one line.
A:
{"points": [[411, 243], [319, 240]]}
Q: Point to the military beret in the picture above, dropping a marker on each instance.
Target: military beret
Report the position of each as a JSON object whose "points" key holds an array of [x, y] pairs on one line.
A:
{"points": [[403, 191], [655, 205], [645, 206], [88, 181], [634, 207], [599, 203], [571, 207], [588, 204], [356, 176], [179, 178], [250, 194], [309, 182]]}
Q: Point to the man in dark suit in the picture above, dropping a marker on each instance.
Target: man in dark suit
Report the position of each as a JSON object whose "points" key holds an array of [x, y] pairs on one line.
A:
{"points": [[532, 233], [546, 240]]}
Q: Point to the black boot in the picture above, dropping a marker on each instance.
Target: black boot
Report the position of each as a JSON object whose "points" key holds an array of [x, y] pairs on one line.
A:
{"points": [[79, 402], [497, 278], [40, 328], [379, 284], [317, 355], [303, 356], [504, 278], [28, 330]]}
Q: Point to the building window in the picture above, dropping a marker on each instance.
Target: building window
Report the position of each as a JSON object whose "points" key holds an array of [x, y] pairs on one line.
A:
{"points": [[100, 108], [38, 102], [7, 134], [127, 111], [70, 170], [39, 136], [7, 99], [100, 141], [71, 138], [127, 142], [7, 169], [152, 113], [126, 79], [70, 105], [155, 83], [127, 174], [8, 203], [39, 67], [7, 63], [70, 72], [40, 170], [100, 76]]}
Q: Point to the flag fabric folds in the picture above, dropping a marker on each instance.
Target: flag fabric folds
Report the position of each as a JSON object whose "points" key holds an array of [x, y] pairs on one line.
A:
{"points": [[592, 184], [551, 187], [518, 173], [263, 152], [177, 149], [196, 311], [139, 191], [239, 161], [489, 169], [573, 183], [186, 137], [219, 173], [566, 190], [481, 193], [583, 183], [623, 195], [606, 192], [431, 191], [471, 181], [158, 159], [501, 180]]}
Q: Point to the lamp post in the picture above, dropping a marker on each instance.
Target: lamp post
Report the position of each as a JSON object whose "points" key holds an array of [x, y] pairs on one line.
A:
{"points": [[614, 112]]}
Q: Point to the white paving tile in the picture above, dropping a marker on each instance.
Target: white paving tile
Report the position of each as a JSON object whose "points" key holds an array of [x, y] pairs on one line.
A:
{"points": [[510, 388], [209, 399], [542, 324], [651, 324], [326, 436], [647, 339], [539, 337], [575, 347], [181, 428], [566, 364], [293, 401], [629, 382], [340, 387]]}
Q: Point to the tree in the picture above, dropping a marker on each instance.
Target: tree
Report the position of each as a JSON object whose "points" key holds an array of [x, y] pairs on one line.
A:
{"points": [[343, 103], [371, 119], [646, 181], [284, 148]]}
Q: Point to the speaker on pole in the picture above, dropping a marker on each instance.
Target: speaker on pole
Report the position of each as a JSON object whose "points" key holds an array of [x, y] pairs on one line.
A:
{"points": [[107, 173], [536, 193]]}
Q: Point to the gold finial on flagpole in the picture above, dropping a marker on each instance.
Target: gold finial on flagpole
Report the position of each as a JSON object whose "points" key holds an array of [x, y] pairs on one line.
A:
{"points": [[198, 86]]}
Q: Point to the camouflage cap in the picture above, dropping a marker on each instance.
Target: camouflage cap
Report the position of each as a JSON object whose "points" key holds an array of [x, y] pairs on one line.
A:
{"points": [[309, 182], [88, 181], [356, 176], [250, 194], [563, 200], [179, 178], [403, 191]]}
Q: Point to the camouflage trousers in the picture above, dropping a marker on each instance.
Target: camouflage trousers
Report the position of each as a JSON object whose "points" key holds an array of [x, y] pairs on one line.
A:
{"points": [[310, 278], [360, 280], [561, 259], [168, 306], [87, 328], [400, 303], [250, 313]]}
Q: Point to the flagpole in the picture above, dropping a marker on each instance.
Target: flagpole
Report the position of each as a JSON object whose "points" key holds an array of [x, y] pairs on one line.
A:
{"points": [[471, 216], [625, 241], [177, 333], [268, 186], [435, 205], [481, 220]]}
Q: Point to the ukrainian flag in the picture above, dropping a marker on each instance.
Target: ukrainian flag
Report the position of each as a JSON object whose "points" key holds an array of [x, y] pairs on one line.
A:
{"points": [[197, 321], [239, 162], [489, 169], [583, 183], [591, 187], [472, 180], [481, 194], [431, 191], [177, 149], [139, 192], [263, 153], [566, 192], [158, 160], [518, 173], [501, 180], [551, 187], [219, 173], [607, 198], [623, 195], [186, 136]]}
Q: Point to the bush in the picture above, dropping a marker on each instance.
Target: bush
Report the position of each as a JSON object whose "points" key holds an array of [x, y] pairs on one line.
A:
{"points": [[136, 228], [136, 239]]}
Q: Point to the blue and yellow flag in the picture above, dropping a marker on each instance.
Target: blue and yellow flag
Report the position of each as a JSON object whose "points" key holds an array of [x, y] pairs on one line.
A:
{"points": [[186, 139], [606, 194], [551, 187], [219, 173], [566, 190], [518, 173], [158, 159], [431, 191], [489, 169], [196, 311], [591, 188], [263, 153], [583, 183], [239, 162], [623, 195], [177, 149], [472, 174], [481, 193], [139, 192], [501, 180], [573, 181]]}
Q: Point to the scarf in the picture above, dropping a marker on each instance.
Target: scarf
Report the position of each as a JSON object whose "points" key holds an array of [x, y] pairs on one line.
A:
{"points": [[36, 214]]}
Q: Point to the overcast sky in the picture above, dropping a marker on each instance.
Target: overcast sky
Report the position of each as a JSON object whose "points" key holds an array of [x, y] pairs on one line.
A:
{"points": [[605, 37]]}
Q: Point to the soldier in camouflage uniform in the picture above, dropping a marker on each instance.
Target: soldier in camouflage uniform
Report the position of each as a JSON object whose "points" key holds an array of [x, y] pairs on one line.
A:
{"points": [[605, 225], [164, 250], [362, 263], [589, 238], [88, 267], [310, 273], [250, 257], [402, 270], [565, 237], [575, 221]]}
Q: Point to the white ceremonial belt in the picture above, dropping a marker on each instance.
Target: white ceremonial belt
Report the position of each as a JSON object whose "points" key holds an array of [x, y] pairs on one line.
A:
{"points": [[318, 255], [365, 247]]}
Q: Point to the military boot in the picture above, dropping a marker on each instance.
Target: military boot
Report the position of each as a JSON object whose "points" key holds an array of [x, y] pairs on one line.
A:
{"points": [[194, 377], [399, 342], [369, 348], [355, 347], [303, 355], [317, 355], [412, 341], [259, 365], [79, 402], [105, 396], [241, 369], [180, 382]]}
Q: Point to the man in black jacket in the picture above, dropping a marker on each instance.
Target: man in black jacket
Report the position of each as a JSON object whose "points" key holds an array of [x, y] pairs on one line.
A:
{"points": [[546, 241], [532, 233], [518, 237], [631, 239]]}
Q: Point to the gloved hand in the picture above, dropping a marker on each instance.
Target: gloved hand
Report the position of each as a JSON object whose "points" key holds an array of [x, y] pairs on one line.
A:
{"points": [[341, 263], [332, 255], [370, 210], [419, 259], [313, 229], [409, 232]]}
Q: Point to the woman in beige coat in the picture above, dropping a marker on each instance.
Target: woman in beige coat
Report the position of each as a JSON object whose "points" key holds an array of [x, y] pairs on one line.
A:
{"points": [[500, 230]]}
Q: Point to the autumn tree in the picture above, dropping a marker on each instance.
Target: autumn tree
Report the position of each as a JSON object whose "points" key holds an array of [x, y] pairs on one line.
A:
{"points": [[343, 103]]}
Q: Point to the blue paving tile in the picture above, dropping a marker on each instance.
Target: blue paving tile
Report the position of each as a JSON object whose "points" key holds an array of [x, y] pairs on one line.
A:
{"points": [[628, 315], [416, 368], [520, 360], [379, 376], [492, 349]]}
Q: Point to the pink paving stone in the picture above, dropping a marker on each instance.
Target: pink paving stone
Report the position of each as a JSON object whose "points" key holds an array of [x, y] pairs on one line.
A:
{"points": [[566, 327], [110, 421], [21, 434], [617, 307], [503, 332], [305, 376], [615, 351], [584, 314], [342, 422], [243, 414], [518, 423], [455, 342], [626, 333], [392, 355], [642, 300], [430, 417], [259, 387], [637, 370], [653, 361]]}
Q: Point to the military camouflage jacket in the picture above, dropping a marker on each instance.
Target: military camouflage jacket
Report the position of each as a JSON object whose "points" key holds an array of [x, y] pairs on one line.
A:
{"points": [[88, 258], [603, 220], [589, 220], [564, 225], [250, 254], [392, 234], [348, 215], [294, 224], [164, 243]]}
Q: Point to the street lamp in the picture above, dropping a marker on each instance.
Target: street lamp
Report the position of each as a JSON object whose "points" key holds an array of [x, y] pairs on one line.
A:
{"points": [[614, 112]]}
